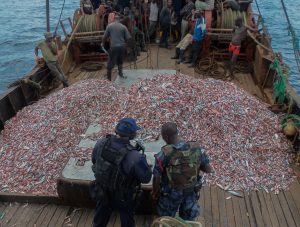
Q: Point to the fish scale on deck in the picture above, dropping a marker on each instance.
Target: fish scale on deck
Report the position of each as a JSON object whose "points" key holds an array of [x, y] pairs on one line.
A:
{"points": [[239, 133]]}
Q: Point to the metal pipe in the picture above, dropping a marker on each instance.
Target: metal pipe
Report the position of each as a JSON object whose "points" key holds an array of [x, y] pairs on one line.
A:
{"points": [[48, 15]]}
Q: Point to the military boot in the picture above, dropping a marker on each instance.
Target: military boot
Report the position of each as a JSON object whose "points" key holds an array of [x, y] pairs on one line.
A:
{"points": [[65, 83], [177, 53], [120, 69], [108, 76]]}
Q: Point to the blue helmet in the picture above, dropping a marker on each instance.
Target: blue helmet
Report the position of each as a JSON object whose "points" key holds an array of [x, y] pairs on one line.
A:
{"points": [[127, 127]]}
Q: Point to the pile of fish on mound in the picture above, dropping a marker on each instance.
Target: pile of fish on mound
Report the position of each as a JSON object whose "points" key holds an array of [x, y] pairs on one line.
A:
{"points": [[241, 136]]}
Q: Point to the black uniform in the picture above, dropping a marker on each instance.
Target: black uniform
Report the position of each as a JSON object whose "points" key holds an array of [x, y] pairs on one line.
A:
{"points": [[119, 168]]}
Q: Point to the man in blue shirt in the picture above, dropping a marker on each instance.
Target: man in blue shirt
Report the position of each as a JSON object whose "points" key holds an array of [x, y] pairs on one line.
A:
{"points": [[198, 36], [165, 24], [176, 175]]}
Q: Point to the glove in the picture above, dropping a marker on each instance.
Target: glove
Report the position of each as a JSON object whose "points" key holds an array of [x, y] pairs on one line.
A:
{"points": [[139, 146]]}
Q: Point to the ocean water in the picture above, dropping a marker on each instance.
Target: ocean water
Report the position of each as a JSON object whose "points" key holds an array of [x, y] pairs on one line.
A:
{"points": [[23, 23]]}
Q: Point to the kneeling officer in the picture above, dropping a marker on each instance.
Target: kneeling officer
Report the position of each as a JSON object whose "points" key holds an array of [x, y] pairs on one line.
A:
{"points": [[119, 168]]}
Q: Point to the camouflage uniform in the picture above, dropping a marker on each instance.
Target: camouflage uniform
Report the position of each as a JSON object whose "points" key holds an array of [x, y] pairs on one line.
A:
{"points": [[171, 200]]}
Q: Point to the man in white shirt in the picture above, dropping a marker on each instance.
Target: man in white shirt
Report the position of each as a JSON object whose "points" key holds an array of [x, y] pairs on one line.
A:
{"points": [[153, 17]]}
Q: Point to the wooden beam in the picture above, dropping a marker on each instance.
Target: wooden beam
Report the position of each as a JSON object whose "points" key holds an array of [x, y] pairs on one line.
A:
{"points": [[29, 198]]}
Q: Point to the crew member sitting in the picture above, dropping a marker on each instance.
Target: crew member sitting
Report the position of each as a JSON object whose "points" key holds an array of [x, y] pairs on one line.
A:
{"points": [[49, 51], [181, 47]]}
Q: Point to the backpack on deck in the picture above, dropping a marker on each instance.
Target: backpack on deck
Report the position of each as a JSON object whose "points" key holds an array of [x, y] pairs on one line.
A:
{"points": [[182, 165]]}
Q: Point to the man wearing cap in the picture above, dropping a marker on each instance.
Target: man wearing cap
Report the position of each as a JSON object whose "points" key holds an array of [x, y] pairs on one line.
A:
{"points": [[49, 52], [119, 168], [118, 35], [176, 175]]}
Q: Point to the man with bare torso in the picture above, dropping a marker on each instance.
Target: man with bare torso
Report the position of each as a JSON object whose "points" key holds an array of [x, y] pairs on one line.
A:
{"points": [[238, 36]]}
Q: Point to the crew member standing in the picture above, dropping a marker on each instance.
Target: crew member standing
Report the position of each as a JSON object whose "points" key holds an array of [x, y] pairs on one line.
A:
{"points": [[176, 181], [238, 36], [186, 13], [119, 168], [198, 36], [118, 35], [49, 52], [153, 17], [165, 24]]}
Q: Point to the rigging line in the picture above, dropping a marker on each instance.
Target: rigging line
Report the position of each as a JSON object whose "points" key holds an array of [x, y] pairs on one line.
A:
{"points": [[61, 12], [293, 34]]}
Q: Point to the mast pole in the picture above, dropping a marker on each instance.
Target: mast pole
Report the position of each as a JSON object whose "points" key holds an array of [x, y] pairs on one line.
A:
{"points": [[48, 15]]}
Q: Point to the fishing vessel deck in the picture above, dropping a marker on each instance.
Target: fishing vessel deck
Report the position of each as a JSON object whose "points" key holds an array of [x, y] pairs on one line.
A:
{"points": [[159, 58], [218, 208]]}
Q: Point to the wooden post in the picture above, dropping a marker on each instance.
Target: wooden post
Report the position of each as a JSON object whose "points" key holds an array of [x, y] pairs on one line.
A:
{"points": [[48, 15], [63, 28]]}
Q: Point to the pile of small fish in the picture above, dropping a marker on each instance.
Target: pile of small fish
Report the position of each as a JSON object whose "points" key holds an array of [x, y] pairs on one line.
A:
{"points": [[240, 135], [37, 143]]}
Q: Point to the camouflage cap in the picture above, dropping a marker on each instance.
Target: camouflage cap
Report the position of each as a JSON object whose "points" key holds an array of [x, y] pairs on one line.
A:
{"points": [[48, 35]]}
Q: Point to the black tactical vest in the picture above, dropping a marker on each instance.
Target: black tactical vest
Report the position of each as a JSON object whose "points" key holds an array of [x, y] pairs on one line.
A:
{"points": [[108, 169]]}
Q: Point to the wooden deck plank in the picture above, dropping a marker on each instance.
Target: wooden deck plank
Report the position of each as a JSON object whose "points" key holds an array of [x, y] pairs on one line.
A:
{"points": [[61, 219], [200, 218], [222, 208], [295, 191], [55, 217], [46, 215], [237, 211], [271, 209], [286, 210], [9, 212], [215, 207], [256, 209], [90, 218], [28, 211], [75, 215], [293, 207], [83, 217], [207, 207], [264, 210], [244, 212], [16, 218], [3, 206], [250, 211], [35, 214], [278, 210], [229, 211]]}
